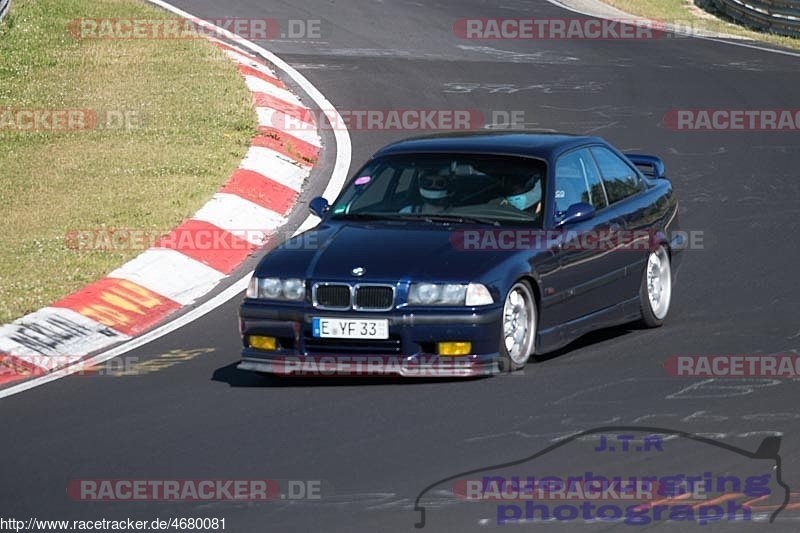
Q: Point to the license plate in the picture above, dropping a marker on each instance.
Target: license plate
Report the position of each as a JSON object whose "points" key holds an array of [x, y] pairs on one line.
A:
{"points": [[350, 328]]}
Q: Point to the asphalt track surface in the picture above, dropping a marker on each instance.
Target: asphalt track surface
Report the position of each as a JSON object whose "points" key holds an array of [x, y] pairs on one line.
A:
{"points": [[377, 444]]}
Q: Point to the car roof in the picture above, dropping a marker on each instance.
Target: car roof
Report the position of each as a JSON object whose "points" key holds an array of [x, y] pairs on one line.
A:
{"points": [[544, 145]]}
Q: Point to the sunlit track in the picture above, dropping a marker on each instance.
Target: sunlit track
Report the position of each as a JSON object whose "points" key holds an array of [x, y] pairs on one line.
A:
{"points": [[375, 444]]}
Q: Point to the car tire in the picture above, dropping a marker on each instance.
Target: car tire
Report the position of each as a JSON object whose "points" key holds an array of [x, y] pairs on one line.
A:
{"points": [[517, 328], [655, 291]]}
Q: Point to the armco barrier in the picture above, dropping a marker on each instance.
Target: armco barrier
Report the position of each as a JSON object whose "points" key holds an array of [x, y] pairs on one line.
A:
{"points": [[774, 16], [4, 8]]}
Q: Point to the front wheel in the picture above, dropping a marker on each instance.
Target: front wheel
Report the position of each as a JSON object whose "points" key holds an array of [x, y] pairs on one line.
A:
{"points": [[655, 292], [519, 328]]}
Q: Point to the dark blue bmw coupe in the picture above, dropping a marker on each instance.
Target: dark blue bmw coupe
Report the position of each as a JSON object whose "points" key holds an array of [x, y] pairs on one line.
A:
{"points": [[464, 254]]}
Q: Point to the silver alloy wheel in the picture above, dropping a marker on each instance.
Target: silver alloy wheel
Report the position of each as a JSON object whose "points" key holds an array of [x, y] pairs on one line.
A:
{"points": [[519, 322], [659, 282]]}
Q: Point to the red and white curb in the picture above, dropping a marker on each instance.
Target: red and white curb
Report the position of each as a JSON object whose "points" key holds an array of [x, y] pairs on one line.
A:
{"points": [[56, 340]]}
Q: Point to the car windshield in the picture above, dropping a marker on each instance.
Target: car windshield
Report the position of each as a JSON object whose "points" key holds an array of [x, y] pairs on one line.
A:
{"points": [[444, 187]]}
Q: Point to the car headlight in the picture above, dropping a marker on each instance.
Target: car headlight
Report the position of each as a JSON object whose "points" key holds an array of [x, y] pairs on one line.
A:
{"points": [[294, 289], [478, 294], [473, 294], [291, 289]]}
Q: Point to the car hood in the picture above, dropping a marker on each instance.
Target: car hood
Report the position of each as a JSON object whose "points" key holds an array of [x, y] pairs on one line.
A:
{"points": [[387, 251]]}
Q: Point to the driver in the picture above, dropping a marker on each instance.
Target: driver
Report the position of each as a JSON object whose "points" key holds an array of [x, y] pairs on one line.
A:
{"points": [[435, 189], [523, 194]]}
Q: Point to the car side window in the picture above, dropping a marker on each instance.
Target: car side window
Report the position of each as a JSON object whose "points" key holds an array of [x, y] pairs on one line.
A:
{"points": [[577, 180], [597, 192], [619, 178]]}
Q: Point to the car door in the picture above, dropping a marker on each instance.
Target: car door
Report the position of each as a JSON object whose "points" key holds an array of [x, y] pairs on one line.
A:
{"points": [[626, 196], [589, 275]]}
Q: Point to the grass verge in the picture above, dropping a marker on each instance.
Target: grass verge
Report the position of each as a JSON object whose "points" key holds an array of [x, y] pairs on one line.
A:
{"points": [[686, 10], [174, 120]]}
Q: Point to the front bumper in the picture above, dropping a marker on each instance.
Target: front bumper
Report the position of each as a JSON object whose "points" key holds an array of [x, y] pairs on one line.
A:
{"points": [[409, 352]]}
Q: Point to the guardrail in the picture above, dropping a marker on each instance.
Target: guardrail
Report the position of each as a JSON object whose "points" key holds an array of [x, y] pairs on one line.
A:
{"points": [[775, 16], [4, 8]]}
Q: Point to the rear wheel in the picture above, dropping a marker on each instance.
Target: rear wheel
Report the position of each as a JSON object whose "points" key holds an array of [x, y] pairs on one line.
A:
{"points": [[518, 328], [655, 292]]}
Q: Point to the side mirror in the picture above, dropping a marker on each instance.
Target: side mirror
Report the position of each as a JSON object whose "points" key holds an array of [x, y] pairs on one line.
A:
{"points": [[577, 213], [650, 165], [318, 206]]}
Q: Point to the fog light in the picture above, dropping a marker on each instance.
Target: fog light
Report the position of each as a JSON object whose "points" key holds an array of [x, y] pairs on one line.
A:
{"points": [[262, 343], [455, 348]]}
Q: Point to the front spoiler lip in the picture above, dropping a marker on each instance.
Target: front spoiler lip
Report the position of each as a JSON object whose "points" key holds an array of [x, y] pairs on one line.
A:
{"points": [[406, 367], [254, 310]]}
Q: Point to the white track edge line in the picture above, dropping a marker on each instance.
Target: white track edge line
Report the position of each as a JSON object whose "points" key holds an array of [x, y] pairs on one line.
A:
{"points": [[681, 32]]}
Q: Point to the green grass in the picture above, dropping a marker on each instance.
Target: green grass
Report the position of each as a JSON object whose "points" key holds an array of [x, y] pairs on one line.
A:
{"points": [[686, 10], [195, 120]]}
